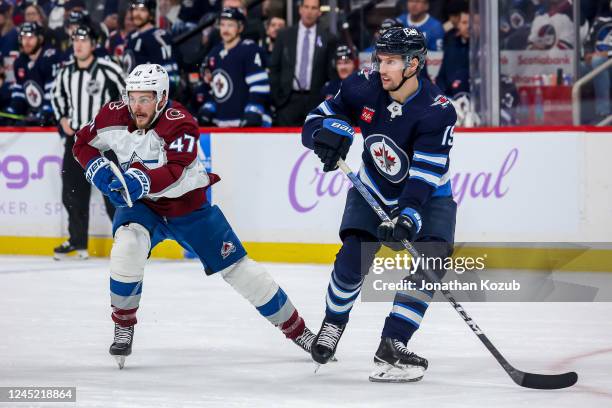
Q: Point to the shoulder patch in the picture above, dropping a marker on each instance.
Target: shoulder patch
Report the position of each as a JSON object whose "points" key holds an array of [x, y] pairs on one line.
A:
{"points": [[441, 101], [49, 52]]}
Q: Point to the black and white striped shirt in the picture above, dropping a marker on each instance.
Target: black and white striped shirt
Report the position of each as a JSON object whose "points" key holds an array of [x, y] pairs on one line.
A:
{"points": [[79, 94]]}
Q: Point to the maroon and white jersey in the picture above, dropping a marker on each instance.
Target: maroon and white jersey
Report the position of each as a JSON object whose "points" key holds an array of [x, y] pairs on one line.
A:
{"points": [[167, 153]]}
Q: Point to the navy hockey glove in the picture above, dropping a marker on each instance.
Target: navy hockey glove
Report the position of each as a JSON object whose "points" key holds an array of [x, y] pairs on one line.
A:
{"points": [[138, 185], [99, 173], [406, 226], [332, 142], [206, 114], [251, 119]]}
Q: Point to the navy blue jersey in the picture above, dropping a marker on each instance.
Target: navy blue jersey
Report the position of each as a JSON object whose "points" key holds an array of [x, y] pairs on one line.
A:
{"points": [[9, 42], [331, 88], [200, 95], [153, 46], [239, 83], [406, 147], [31, 92]]}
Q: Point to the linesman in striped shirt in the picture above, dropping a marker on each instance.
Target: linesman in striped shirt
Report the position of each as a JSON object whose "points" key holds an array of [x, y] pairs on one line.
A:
{"points": [[82, 87]]}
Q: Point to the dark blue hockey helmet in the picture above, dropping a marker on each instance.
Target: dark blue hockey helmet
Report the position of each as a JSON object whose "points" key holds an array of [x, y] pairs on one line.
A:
{"points": [[83, 31], [78, 17], [30, 29], [150, 5], [407, 42], [343, 52], [387, 24], [232, 13]]}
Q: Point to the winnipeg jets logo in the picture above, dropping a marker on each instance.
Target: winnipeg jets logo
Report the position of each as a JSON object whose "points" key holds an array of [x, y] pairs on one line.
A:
{"points": [[441, 100], [227, 249], [221, 85], [395, 108], [33, 94], [390, 161]]}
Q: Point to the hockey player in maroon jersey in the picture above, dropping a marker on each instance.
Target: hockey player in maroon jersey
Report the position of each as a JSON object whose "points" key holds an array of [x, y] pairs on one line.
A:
{"points": [[155, 140]]}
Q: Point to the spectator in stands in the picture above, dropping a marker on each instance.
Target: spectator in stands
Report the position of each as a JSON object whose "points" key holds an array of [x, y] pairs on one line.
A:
{"points": [[148, 44], [597, 50], [553, 29], [35, 71], [169, 11], [273, 25], [115, 44], [454, 75], [193, 10], [33, 13], [418, 17], [300, 65], [8, 33], [239, 83], [345, 66], [111, 17], [454, 10]]}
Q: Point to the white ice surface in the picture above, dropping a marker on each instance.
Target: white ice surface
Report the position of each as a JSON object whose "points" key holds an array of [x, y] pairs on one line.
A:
{"points": [[200, 344]]}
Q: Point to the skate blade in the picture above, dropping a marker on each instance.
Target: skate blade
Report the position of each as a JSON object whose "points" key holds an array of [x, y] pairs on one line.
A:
{"points": [[384, 372], [78, 255], [120, 361], [317, 366]]}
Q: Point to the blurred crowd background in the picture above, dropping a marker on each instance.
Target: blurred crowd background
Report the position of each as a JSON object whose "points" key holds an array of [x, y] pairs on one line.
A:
{"points": [[268, 63]]}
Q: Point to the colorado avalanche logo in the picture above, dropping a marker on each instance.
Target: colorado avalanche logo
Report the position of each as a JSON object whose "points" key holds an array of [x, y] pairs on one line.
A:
{"points": [[33, 94], [222, 85], [391, 161]]}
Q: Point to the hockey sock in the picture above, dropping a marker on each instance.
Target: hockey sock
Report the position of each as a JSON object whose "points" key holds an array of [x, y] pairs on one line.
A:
{"points": [[256, 285]]}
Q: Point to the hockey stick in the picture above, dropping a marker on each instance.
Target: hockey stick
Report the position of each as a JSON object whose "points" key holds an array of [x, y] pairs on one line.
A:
{"points": [[528, 380], [124, 190]]}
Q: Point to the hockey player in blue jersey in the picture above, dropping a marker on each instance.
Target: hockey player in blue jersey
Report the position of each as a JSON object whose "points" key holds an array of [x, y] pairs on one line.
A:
{"points": [[407, 125], [240, 85], [35, 70], [148, 44], [345, 66]]}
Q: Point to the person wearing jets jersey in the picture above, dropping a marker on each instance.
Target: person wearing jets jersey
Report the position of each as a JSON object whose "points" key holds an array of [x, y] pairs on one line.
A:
{"points": [[239, 83], [407, 126]]}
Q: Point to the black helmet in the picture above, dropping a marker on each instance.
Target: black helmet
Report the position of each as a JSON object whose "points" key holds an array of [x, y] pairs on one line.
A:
{"points": [[29, 29], [84, 31], [78, 17], [232, 13], [407, 42], [387, 24], [150, 5], [343, 52]]}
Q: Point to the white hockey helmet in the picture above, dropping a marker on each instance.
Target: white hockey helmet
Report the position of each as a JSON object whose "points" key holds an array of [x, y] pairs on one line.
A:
{"points": [[148, 77]]}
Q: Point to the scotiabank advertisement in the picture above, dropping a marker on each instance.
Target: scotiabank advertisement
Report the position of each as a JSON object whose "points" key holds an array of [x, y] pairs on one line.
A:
{"points": [[522, 186]]}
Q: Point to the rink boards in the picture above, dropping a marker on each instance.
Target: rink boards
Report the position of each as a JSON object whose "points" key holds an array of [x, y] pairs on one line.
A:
{"points": [[549, 186]]}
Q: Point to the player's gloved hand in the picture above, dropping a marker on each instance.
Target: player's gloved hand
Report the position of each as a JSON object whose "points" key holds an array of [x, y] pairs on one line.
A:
{"points": [[138, 185], [99, 173], [206, 114], [251, 119], [405, 226], [332, 141]]}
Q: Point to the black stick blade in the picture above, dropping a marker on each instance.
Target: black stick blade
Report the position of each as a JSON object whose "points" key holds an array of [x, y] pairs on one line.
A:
{"points": [[547, 382]]}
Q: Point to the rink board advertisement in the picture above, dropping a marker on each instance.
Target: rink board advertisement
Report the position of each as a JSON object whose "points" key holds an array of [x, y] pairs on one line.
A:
{"points": [[521, 186]]}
